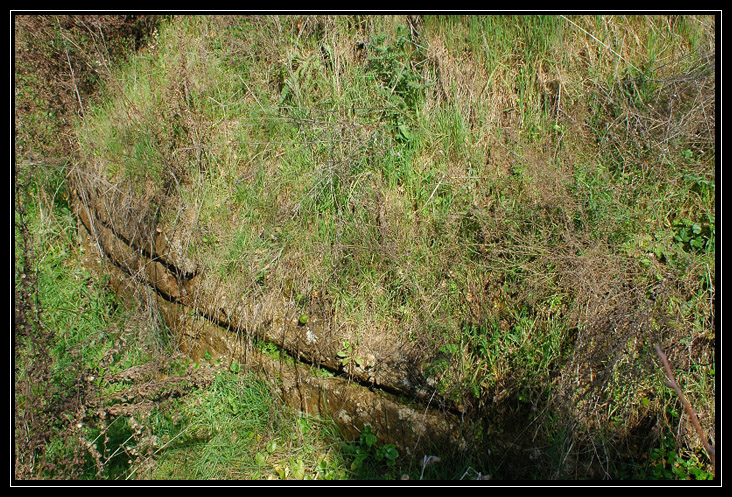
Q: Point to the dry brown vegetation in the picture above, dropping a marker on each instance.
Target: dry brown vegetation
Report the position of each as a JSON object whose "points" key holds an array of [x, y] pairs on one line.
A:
{"points": [[501, 214]]}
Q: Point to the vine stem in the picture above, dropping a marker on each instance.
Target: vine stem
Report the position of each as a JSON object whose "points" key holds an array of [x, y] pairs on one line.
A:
{"points": [[671, 383]]}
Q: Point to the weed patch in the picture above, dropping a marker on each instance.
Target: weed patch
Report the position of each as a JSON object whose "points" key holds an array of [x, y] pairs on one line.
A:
{"points": [[526, 204]]}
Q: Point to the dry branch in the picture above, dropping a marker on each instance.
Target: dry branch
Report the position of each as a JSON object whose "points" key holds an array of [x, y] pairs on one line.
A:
{"points": [[687, 407]]}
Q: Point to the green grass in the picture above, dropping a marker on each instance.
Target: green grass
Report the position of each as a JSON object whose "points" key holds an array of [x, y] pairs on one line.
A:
{"points": [[530, 199], [237, 430]]}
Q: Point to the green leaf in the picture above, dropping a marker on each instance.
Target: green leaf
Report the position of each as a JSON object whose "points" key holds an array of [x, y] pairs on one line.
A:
{"points": [[450, 348], [345, 353], [297, 468], [303, 424], [389, 453], [260, 459], [404, 130], [361, 456], [367, 436]]}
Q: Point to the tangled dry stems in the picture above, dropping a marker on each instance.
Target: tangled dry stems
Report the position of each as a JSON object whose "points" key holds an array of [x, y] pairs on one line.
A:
{"points": [[613, 308]]}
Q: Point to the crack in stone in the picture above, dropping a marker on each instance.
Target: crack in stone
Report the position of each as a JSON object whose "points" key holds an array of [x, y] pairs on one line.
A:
{"points": [[174, 295]]}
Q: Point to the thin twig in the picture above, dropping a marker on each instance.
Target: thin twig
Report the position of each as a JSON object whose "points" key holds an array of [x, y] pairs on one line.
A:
{"points": [[601, 43], [71, 68], [687, 407], [433, 192], [158, 451]]}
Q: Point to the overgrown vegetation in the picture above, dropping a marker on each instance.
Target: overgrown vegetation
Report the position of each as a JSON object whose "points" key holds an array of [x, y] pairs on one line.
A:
{"points": [[530, 200], [101, 391]]}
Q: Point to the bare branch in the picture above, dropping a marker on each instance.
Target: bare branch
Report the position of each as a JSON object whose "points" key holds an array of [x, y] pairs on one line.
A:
{"points": [[687, 407]]}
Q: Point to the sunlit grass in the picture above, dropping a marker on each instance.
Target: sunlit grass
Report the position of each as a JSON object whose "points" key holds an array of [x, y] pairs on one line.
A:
{"points": [[505, 191]]}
